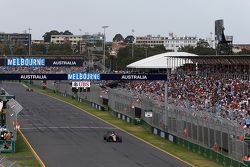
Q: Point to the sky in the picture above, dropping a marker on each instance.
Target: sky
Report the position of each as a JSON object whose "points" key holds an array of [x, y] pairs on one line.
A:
{"points": [[155, 17]]}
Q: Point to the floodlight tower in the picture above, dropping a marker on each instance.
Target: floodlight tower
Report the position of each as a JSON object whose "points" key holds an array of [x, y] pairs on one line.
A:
{"points": [[29, 41], [133, 43], [104, 40]]}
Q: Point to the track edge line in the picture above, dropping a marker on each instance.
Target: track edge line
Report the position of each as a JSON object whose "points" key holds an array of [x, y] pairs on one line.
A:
{"points": [[32, 149]]}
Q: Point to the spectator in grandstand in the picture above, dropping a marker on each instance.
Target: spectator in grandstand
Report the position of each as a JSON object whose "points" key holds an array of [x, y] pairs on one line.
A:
{"points": [[226, 98]]}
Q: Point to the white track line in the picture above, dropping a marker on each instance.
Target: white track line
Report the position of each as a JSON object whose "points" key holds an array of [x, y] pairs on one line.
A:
{"points": [[68, 127]]}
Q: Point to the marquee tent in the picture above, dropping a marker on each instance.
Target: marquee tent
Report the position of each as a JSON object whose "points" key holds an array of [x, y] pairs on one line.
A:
{"points": [[164, 60]]}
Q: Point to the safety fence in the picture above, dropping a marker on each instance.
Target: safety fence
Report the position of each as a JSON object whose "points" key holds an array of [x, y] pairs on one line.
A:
{"points": [[215, 138], [5, 162]]}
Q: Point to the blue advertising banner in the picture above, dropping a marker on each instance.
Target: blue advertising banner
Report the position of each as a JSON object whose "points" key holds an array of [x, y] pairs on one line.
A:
{"points": [[64, 62], [133, 77], [33, 76], [19, 61], [40, 62], [83, 76]]}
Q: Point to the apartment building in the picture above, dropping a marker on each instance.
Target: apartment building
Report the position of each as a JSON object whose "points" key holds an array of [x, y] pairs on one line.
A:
{"points": [[150, 41], [15, 38], [173, 43], [61, 39]]}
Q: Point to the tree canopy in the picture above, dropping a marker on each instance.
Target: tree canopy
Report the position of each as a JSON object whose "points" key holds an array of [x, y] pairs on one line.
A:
{"points": [[124, 56], [202, 48], [118, 38], [129, 39]]}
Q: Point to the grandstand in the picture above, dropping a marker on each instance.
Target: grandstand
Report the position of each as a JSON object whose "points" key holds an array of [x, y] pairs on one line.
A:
{"points": [[213, 94], [207, 96], [205, 101]]}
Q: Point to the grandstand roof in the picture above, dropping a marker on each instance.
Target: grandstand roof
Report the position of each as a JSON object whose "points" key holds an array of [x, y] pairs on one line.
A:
{"points": [[218, 59], [164, 60]]}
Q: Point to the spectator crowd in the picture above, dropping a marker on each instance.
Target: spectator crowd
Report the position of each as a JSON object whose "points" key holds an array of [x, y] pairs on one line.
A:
{"points": [[226, 98]]}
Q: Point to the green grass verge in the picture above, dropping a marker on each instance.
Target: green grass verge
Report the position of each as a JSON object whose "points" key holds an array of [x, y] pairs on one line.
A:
{"points": [[23, 154], [139, 131]]}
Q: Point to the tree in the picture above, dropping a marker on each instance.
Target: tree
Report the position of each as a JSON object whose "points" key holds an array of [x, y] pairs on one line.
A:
{"points": [[60, 49], [67, 32], [47, 35], [20, 50], [188, 48], [124, 55], [118, 38], [202, 44], [3, 49], [38, 49], [202, 48], [129, 39]]}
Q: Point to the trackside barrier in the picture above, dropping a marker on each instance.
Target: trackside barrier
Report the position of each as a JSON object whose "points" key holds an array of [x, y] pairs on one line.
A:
{"points": [[135, 121], [206, 152], [124, 117], [11, 146], [5, 162], [210, 154], [202, 133]]}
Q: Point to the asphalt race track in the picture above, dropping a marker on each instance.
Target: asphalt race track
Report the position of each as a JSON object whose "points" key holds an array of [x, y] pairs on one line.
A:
{"points": [[64, 136]]}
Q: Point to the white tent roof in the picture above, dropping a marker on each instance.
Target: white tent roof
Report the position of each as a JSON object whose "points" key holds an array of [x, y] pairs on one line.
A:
{"points": [[163, 60]]}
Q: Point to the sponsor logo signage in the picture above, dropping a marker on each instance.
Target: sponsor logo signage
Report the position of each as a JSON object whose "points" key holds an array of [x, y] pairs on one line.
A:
{"points": [[133, 77], [84, 76], [81, 84], [148, 114], [25, 62], [64, 62], [33, 76], [40, 62]]}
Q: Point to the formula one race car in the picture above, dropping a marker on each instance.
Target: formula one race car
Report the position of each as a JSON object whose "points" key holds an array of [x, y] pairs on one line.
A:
{"points": [[111, 136], [29, 90]]}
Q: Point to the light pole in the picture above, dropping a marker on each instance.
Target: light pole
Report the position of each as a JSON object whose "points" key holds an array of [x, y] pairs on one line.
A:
{"points": [[29, 41], [80, 42], [104, 40], [133, 43]]}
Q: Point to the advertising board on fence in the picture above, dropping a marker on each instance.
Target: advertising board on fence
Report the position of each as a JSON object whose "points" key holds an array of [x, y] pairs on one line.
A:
{"points": [[81, 84], [84, 76], [40, 62], [148, 114]]}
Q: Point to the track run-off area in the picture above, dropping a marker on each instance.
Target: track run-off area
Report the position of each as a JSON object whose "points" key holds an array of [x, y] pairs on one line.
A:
{"points": [[63, 135]]}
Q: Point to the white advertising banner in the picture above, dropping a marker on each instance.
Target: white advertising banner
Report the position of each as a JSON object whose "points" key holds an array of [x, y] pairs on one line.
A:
{"points": [[80, 84], [148, 114]]}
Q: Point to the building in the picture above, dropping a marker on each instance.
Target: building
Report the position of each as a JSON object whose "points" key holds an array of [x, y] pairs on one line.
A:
{"points": [[175, 43], [93, 39], [39, 41], [75, 39], [61, 39], [15, 38], [171, 43], [240, 47], [149, 40]]}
